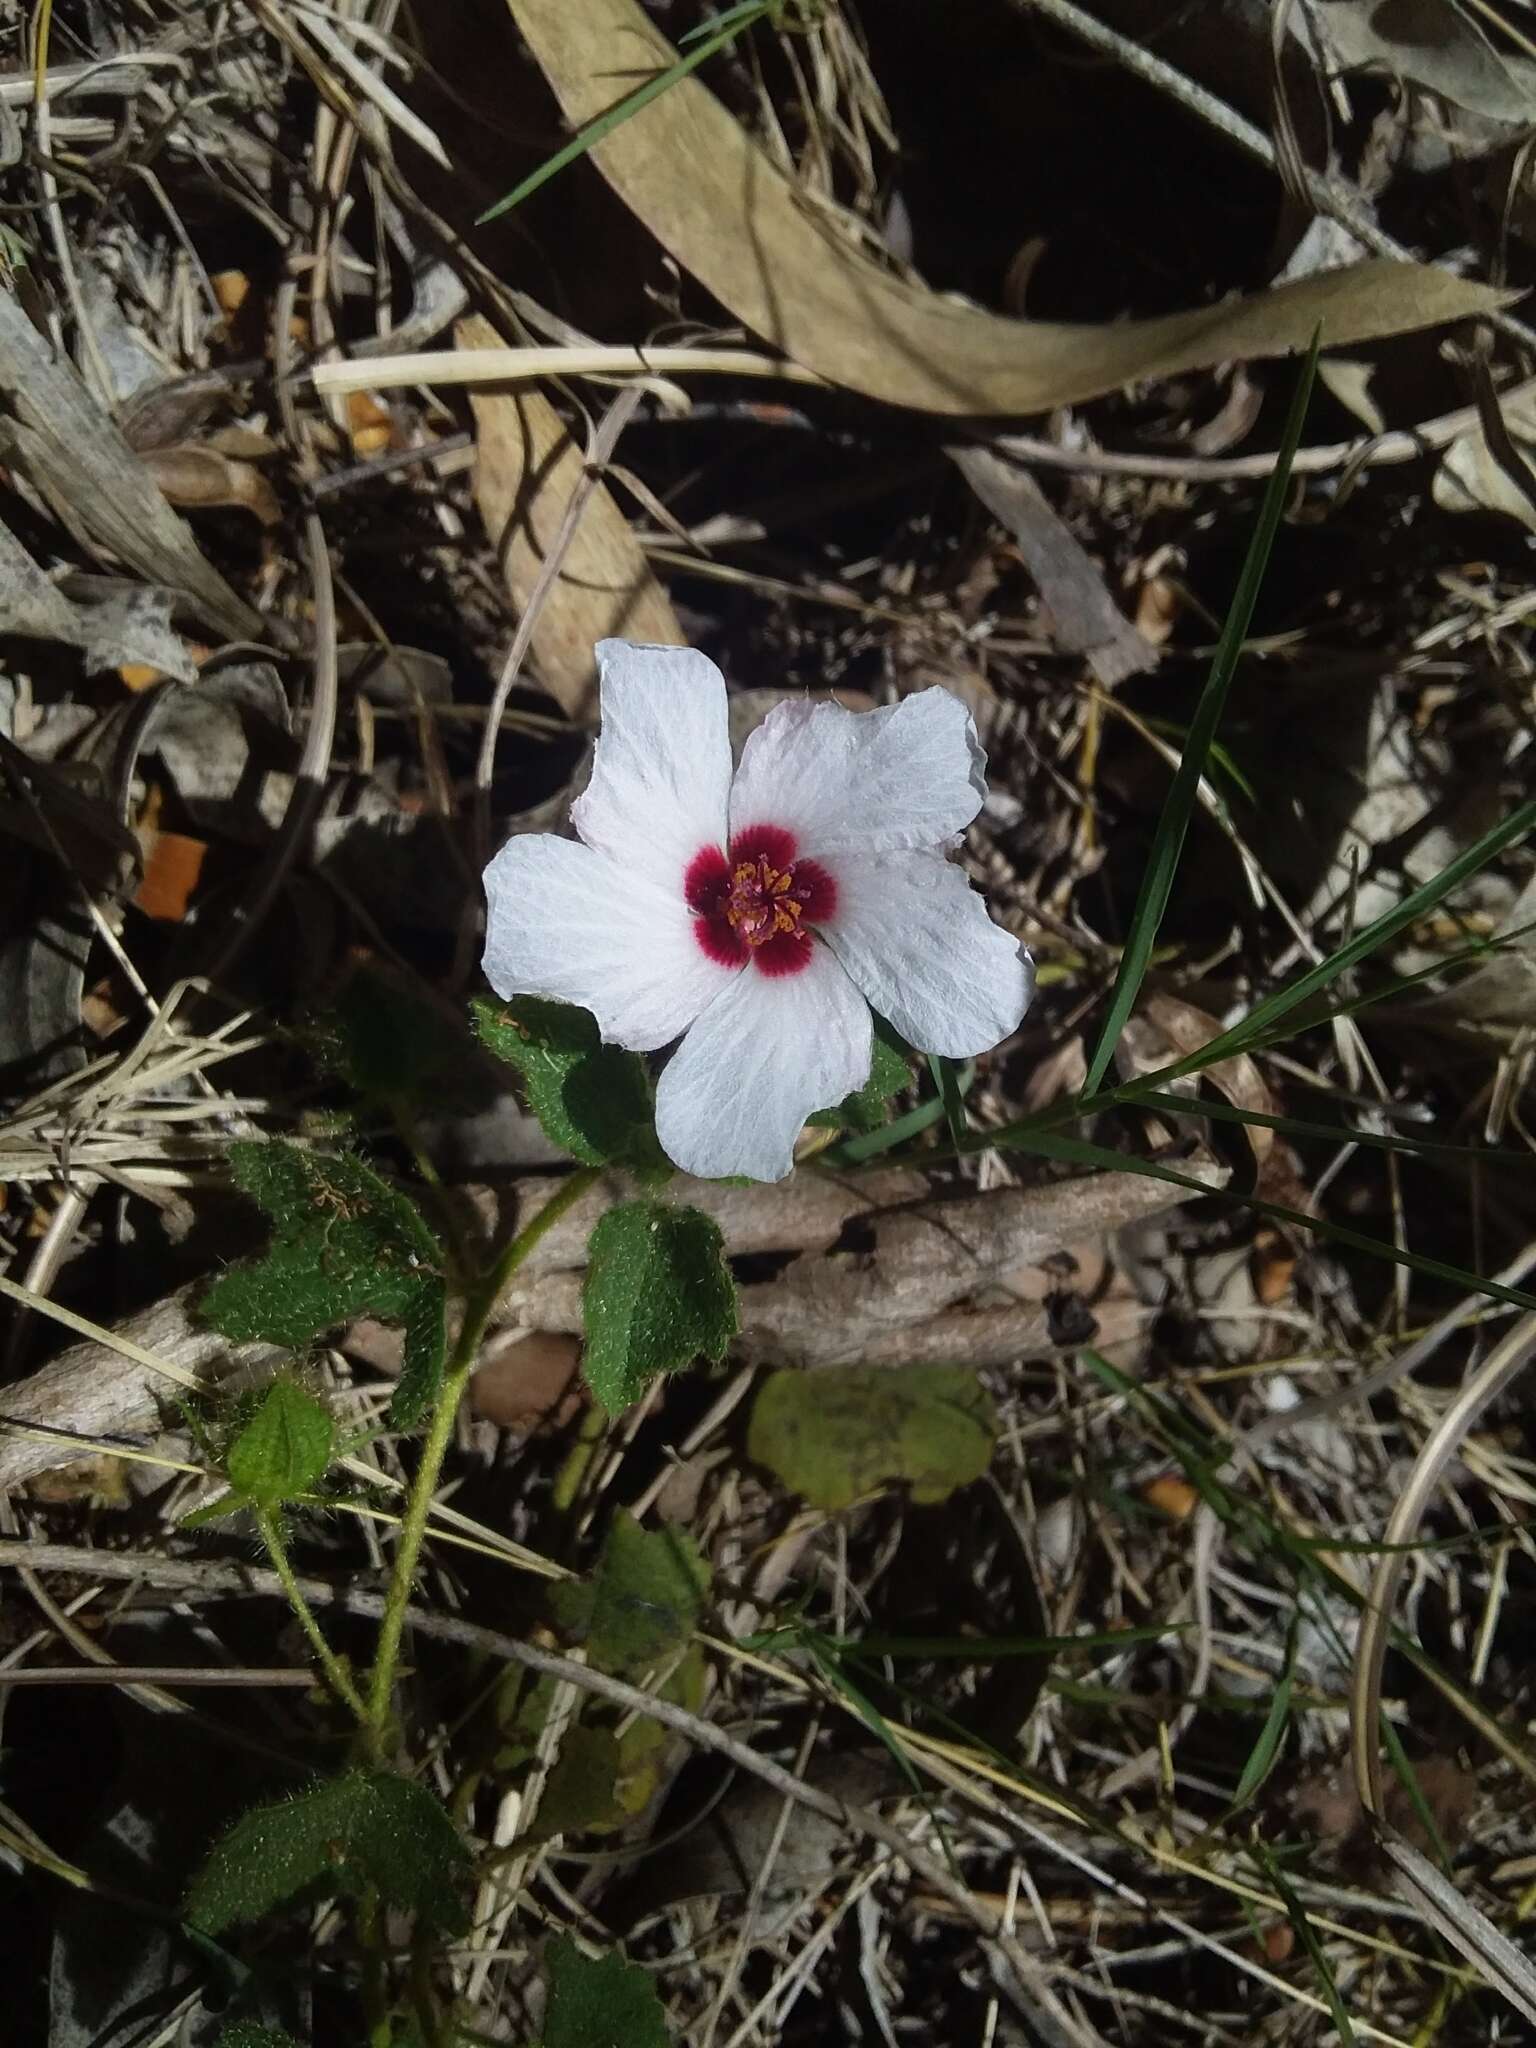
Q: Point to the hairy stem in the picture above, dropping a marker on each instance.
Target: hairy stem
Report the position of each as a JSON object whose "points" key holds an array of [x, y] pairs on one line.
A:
{"points": [[336, 1674], [413, 1529]]}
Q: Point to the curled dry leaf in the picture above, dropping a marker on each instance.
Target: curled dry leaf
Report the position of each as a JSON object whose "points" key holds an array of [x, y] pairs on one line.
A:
{"points": [[1471, 478], [717, 204], [1188, 1029], [526, 468], [202, 477]]}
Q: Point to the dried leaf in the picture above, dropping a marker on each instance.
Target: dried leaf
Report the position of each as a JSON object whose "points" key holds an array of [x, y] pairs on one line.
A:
{"points": [[173, 867], [193, 475], [528, 1381], [1188, 1030], [1471, 478], [1084, 617], [714, 201], [76, 455], [1434, 44], [526, 468]]}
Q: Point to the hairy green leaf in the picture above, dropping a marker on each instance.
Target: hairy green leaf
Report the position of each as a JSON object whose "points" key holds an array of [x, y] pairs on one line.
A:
{"points": [[592, 1100], [284, 1449], [345, 1243], [658, 1294], [835, 1435], [392, 1043], [600, 2002], [246, 2034], [367, 1829], [642, 1603]]}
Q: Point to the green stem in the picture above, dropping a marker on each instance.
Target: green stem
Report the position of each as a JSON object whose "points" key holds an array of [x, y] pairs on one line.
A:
{"points": [[478, 1309], [335, 1671]]}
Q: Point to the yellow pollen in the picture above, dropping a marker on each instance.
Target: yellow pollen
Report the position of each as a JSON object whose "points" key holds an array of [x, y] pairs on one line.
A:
{"points": [[760, 906]]}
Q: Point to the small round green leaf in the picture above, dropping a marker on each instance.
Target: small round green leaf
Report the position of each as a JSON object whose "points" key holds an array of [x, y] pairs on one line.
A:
{"points": [[834, 1435], [284, 1449]]}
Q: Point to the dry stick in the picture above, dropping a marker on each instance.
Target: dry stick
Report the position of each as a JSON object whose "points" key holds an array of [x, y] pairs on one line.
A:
{"points": [[1365, 451], [189, 1575], [1334, 197], [297, 1675]]}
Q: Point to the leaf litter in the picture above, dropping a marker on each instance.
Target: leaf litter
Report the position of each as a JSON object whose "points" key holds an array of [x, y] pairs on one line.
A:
{"points": [[962, 362]]}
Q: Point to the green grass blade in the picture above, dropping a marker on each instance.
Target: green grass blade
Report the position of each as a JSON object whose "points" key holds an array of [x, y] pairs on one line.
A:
{"points": [[868, 1145], [721, 32], [1265, 1753], [1238, 1038], [946, 1078], [1332, 1134], [1296, 1913], [1172, 826]]}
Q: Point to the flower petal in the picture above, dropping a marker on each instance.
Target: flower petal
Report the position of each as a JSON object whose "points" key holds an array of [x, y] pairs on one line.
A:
{"points": [[764, 1055], [911, 775], [567, 923], [662, 770], [916, 938]]}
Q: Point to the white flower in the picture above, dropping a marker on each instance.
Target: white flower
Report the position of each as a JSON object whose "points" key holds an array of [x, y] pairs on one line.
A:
{"points": [[759, 916]]}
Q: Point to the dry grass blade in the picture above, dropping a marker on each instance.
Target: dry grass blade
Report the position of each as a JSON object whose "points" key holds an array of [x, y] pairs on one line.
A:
{"points": [[1508, 1971], [1505, 1968]]}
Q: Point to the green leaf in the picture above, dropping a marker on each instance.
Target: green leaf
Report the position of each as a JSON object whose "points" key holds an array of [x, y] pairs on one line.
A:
{"points": [[592, 1100], [581, 1795], [345, 1244], [284, 1449], [600, 2002], [1168, 840], [1265, 1753], [889, 1073], [835, 1435], [658, 1294], [367, 1829], [391, 1043], [642, 1603], [246, 2034]]}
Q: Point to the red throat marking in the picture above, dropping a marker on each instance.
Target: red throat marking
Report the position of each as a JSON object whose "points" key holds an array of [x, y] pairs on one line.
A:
{"points": [[759, 903]]}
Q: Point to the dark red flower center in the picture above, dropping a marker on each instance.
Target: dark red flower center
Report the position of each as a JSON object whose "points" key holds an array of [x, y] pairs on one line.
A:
{"points": [[758, 902]]}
